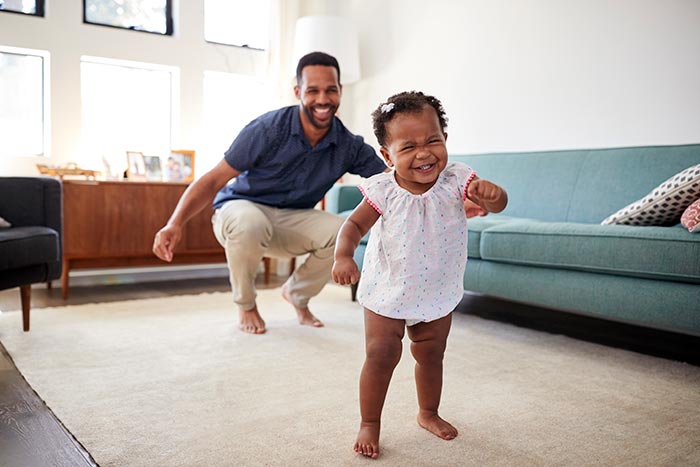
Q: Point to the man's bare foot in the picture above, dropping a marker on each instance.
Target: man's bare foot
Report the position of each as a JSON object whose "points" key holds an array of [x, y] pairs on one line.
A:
{"points": [[367, 442], [436, 425], [251, 321], [304, 314]]}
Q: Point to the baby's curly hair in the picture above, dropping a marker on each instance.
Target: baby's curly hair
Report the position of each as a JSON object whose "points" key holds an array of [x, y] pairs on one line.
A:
{"points": [[403, 102]]}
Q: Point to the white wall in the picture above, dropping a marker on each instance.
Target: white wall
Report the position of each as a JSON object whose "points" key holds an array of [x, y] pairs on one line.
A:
{"points": [[519, 75], [64, 35], [513, 74]]}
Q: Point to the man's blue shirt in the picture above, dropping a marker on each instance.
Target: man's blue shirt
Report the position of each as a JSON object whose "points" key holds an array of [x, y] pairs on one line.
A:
{"points": [[280, 168]]}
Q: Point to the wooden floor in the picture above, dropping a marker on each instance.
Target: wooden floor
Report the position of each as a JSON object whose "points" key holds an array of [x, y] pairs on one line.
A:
{"points": [[30, 435]]}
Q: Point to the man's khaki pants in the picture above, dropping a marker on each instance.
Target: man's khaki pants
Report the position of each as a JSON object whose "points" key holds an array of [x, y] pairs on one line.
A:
{"points": [[248, 231]]}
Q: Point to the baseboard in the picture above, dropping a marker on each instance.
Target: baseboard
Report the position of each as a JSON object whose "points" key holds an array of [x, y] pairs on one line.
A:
{"points": [[628, 336], [90, 277]]}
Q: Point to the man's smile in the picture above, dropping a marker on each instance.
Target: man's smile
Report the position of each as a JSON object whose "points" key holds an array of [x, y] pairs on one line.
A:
{"points": [[322, 112]]}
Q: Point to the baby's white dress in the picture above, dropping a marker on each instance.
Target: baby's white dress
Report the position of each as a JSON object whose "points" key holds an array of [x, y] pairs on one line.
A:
{"points": [[417, 250]]}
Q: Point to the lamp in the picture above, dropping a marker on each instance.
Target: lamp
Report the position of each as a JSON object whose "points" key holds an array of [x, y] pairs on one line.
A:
{"points": [[330, 34]]}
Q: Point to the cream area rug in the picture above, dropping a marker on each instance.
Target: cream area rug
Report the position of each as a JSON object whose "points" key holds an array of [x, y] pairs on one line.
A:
{"points": [[172, 382]]}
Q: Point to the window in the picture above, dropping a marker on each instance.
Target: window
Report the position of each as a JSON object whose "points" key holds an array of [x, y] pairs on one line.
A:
{"points": [[237, 22], [24, 93], [231, 101], [154, 16], [27, 7], [127, 106]]}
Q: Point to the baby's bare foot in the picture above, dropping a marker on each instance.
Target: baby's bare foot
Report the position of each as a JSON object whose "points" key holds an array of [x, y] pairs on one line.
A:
{"points": [[251, 321], [303, 313], [436, 425], [367, 442]]}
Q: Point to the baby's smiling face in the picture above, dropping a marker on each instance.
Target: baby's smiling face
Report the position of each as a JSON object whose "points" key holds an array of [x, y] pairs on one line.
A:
{"points": [[416, 149]]}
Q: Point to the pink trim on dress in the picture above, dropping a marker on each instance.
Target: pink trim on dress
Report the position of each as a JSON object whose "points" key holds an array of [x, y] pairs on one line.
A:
{"points": [[466, 186], [369, 201]]}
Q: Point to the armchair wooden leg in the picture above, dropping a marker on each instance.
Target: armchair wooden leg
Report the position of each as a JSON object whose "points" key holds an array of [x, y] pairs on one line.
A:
{"points": [[25, 292]]}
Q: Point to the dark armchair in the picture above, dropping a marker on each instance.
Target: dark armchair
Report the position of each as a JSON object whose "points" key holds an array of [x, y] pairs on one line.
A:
{"points": [[30, 249]]}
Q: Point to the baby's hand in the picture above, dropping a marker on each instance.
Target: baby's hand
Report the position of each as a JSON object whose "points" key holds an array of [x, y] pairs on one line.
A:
{"points": [[471, 209], [483, 191], [345, 271]]}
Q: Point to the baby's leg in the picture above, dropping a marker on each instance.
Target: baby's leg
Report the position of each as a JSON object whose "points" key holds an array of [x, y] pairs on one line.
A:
{"points": [[428, 342], [382, 354]]}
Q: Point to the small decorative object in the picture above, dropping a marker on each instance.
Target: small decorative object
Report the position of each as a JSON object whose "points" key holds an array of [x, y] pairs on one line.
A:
{"points": [[136, 166], [180, 166], [107, 167], [691, 217], [71, 168], [154, 171]]}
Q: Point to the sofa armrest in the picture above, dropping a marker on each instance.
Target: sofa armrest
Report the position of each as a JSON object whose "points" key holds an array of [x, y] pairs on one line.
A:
{"points": [[342, 198]]}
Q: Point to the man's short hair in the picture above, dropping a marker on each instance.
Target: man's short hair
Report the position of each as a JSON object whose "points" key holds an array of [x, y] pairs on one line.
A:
{"points": [[317, 58]]}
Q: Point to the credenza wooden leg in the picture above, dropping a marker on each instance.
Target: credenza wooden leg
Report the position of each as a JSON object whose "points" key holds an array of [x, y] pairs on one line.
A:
{"points": [[64, 278]]}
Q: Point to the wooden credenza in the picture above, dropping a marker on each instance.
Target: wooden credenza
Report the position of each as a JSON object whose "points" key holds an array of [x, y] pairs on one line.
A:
{"points": [[110, 224]]}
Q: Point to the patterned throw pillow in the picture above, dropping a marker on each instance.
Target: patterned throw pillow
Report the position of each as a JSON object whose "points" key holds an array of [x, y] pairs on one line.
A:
{"points": [[664, 204], [691, 217]]}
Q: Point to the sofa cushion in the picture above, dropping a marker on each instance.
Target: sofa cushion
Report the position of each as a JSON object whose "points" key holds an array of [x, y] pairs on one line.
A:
{"points": [[546, 201], [582, 185], [476, 225], [651, 252], [27, 246], [665, 204]]}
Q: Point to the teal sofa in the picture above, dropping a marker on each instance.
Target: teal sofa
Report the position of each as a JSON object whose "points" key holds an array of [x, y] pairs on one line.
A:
{"points": [[549, 249]]}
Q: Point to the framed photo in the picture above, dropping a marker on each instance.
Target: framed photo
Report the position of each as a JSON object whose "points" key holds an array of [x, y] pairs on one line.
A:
{"points": [[180, 166], [136, 166], [154, 171]]}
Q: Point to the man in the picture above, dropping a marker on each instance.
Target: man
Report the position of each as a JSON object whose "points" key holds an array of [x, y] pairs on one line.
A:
{"points": [[283, 163]]}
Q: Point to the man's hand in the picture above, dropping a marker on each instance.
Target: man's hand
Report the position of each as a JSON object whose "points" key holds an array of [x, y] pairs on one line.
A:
{"points": [[471, 209], [165, 241], [345, 271]]}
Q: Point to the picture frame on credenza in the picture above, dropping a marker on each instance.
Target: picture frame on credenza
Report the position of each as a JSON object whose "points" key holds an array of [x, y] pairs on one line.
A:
{"points": [[179, 167], [154, 168], [136, 166]]}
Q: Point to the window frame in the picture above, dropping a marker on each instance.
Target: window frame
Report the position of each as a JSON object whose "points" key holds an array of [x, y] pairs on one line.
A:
{"points": [[46, 97], [40, 10], [169, 31]]}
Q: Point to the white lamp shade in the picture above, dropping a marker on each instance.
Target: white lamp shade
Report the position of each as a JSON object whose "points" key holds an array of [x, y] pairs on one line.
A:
{"points": [[333, 35]]}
